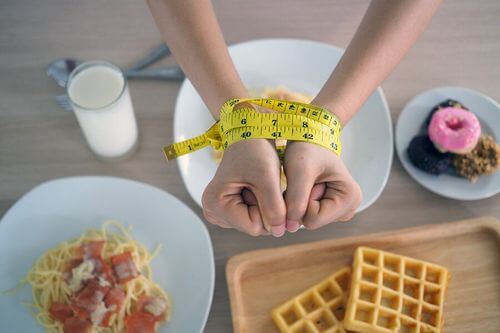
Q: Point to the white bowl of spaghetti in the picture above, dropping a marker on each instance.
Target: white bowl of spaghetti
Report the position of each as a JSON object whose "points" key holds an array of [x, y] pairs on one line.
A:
{"points": [[147, 273]]}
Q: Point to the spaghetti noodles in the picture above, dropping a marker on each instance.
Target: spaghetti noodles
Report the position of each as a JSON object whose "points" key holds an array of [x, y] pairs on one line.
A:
{"points": [[89, 258]]}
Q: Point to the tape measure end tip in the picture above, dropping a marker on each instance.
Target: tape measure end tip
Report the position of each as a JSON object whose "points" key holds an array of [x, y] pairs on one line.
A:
{"points": [[170, 153]]}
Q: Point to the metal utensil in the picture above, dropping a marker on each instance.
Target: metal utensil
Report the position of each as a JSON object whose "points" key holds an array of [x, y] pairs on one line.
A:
{"points": [[63, 102], [156, 54], [60, 69], [173, 73]]}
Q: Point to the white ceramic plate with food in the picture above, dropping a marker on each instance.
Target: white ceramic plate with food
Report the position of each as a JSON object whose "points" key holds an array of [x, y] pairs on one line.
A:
{"points": [[62, 209], [299, 66], [411, 120]]}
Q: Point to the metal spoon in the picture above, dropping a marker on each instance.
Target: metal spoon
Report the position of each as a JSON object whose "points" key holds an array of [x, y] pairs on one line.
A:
{"points": [[63, 102], [156, 54], [60, 69], [173, 73]]}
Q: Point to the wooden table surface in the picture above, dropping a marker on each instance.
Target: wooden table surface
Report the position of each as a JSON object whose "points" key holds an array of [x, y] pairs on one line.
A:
{"points": [[39, 141]]}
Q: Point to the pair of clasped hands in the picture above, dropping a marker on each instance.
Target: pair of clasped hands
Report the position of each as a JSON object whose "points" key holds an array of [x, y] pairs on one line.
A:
{"points": [[245, 193]]}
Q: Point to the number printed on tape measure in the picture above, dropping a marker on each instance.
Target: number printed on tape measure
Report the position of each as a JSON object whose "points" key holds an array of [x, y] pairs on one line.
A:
{"points": [[185, 147], [293, 121], [310, 111], [252, 118], [246, 134], [319, 137]]}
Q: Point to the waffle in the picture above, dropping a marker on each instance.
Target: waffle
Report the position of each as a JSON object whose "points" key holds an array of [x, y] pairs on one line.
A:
{"points": [[393, 293], [320, 308]]}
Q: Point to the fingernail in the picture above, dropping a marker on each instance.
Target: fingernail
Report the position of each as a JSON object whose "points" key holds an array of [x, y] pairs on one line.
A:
{"points": [[278, 231], [292, 225]]}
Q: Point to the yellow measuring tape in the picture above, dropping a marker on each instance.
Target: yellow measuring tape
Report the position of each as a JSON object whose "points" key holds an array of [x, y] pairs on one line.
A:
{"points": [[293, 121]]}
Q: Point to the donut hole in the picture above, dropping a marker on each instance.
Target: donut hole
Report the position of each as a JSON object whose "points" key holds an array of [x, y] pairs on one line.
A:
{"points": [[454, 123]]}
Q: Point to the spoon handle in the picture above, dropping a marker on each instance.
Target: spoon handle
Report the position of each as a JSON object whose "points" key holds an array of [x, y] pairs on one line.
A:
{"points": [[173, 73], [155, 55]]}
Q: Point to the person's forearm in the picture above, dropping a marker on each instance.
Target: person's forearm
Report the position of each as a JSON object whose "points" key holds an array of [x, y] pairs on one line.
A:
{"points": [[192, 32], [386, 33]]}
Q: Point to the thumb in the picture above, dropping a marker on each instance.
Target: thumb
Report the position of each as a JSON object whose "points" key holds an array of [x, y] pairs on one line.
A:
{"points": [[272, 207], [298, 191]]}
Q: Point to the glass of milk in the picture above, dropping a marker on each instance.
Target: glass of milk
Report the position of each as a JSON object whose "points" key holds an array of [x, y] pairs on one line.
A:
{"points": [[99, 95]]}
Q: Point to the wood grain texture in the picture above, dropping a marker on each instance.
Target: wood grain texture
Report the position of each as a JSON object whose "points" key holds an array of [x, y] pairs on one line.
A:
{"points": [[38, 141], [261, 280]]}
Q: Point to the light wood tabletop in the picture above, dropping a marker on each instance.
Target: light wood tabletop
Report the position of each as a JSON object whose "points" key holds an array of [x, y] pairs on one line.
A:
{"points": [[39, 141]]}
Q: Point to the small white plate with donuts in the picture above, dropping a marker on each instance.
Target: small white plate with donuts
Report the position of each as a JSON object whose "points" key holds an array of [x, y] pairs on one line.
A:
{"points": [[413, 122]]}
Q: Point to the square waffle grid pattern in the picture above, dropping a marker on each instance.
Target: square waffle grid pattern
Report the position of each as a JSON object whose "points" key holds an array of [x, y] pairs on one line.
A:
{"points": [[320, 308], [394, 293]]}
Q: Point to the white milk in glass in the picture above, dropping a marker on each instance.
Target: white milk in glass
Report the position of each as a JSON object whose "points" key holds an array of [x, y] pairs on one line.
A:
{"points": [[100, 98]]}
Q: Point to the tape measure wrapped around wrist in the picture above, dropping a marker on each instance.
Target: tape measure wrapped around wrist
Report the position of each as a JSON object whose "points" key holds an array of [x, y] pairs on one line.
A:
{"points": [[293, 121]]}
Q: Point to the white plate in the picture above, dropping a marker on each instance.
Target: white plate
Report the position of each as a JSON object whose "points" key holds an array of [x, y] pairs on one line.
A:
{"points": [[301, 66], [62, 209], [410, 121]]}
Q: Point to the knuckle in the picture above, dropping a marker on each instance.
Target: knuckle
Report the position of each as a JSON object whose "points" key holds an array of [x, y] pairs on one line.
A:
{"points": [[205, 205], [274, 218], [208, 208], [310, 224], [209, 216], [358, 195], [347, 217], [354, 196], [254, 231], [209, 198], [206, 197], [272, 205], [296, 210]]}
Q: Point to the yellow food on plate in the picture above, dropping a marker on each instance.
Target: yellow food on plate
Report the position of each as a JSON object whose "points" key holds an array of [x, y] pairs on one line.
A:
{"points": [[287, 95], [320, 308], [99, 282], [394, 293]]}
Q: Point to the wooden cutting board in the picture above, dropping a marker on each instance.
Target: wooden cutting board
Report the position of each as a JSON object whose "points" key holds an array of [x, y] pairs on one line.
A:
{"points": [[260, 280]]}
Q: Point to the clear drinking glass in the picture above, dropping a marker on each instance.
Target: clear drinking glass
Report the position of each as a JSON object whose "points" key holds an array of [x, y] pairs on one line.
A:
{"points": [[99, 95]]}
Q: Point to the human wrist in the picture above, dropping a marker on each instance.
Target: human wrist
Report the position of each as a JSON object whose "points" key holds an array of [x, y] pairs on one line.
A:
{"points": [[336, 108], [236, 90], [251, 147]]}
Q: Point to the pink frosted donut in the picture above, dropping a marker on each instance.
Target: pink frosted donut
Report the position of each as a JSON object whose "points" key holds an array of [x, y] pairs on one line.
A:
{"points": [[455, 130]]}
